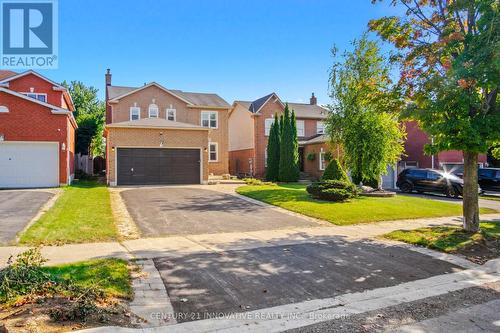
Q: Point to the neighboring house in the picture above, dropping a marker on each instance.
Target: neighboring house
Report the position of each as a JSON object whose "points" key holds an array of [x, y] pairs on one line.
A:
{"points": [[249, 125], [37, 131], [415, 157], [156, 135]]}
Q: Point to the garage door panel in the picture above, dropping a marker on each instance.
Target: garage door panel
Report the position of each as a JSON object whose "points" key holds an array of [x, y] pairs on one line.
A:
{"points": [[29, 164], [149, 166]]}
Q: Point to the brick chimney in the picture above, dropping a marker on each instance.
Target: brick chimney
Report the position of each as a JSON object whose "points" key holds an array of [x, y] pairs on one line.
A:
{"points": [[108, 77], [313, 100]]}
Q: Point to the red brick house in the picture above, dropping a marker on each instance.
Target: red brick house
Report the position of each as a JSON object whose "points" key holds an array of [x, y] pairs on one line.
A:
{"points": [[37, 131], [415, 158], [249, 125]]}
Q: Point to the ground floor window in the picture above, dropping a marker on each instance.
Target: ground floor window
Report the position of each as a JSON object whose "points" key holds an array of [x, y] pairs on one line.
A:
{"points": [[322, 160], [213, 152]]}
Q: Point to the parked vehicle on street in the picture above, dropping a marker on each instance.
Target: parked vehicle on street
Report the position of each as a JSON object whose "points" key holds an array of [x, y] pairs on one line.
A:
{"points": [[430, 180], [489, 179]]}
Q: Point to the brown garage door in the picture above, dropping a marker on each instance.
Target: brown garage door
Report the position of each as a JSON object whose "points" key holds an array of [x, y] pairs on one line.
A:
{"points": [[149, 166]]}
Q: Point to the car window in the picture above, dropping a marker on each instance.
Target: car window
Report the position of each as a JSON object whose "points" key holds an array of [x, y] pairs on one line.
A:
{"points": [[497, 175], [486, 173], [433, 175], [418, 173]]}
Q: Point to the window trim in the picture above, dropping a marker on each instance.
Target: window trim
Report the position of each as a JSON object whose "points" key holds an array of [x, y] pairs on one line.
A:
{"points": [[37, 94], [153, 106], [135, 108], [216, 152], [317, 128], [209, 120], [174, 112], [266, 132], [303, 128], [322, 161]]}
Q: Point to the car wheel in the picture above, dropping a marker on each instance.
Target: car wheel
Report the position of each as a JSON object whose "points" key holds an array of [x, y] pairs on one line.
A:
{"points": [[406, 187], [450, 192]]}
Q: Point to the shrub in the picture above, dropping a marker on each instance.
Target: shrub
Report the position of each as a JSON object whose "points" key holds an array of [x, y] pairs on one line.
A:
{"points": [[334, 171], [332, 190], [256, 182]]}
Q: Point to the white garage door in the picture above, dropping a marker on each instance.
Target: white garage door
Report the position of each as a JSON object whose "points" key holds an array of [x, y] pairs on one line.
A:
{"points": [[388, 181], [29, 164]]}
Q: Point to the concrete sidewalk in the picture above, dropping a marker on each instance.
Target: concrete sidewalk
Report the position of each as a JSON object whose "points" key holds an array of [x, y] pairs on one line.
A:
{"points": [[175, 246]]}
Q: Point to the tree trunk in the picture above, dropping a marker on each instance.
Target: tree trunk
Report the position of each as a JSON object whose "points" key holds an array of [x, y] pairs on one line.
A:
{"points": [[470, 193]]}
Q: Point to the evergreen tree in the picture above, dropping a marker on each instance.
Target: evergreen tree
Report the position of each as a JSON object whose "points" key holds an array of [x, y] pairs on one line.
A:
{"points": [[295, 145], [273, 151], [288, 166], [334, 171]]}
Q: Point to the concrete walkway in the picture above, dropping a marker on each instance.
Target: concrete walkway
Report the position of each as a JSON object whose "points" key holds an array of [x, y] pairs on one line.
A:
{"points": [[175, 246]]}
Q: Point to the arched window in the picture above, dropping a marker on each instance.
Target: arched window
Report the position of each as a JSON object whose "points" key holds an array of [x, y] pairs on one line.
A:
{"points": [[153, 111]]}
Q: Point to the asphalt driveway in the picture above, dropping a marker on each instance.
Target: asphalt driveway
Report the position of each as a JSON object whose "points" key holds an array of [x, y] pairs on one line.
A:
{"points": [[17, 208], [246, 280], [183, 211]]}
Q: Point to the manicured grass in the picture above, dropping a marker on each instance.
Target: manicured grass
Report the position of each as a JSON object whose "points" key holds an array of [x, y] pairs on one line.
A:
{"points": [[81, 214], [111, 275], [446, 239], [359, 210], [490, 197]]}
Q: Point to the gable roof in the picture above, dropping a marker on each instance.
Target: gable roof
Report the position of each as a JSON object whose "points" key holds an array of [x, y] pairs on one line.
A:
{"points": [[155, 123], [191, 98], [256, 105], [302, 110], [54, 109], [18, 75], [5, 74]]}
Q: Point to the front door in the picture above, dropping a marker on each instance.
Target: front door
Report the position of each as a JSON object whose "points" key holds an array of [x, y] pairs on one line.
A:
{"points": [[301, 158]]}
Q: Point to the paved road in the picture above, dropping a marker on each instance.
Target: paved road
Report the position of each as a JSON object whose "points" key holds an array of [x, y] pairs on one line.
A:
{"points": [[17, 208], [245, 280], [182, 211], [493, 204]]}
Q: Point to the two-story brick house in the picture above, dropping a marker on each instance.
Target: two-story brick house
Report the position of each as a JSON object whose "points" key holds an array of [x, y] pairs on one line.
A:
{"points": [[37, 131], [156, 135], [249, 125]]}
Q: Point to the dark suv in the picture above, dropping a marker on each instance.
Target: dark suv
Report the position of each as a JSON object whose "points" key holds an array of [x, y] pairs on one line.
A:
{"points": [[489, 179], [430, 180]]}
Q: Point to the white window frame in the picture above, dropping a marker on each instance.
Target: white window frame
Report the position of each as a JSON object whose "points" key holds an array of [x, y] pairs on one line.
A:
{"points": [[320, 127], [209, 113], [4, 109], [297, 122], [174, 112], [210, 144], [35, 96], [267, 126], [135, 108], [322, 161], [153, 107]]}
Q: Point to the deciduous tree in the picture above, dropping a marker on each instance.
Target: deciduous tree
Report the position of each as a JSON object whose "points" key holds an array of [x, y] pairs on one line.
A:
{"points": [[450, 75]]}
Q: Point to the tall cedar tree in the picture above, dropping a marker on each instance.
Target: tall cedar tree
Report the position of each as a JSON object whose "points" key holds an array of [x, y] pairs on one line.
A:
{"points": [[295, 143], [273, 151], [288, 157], [450, 74]]}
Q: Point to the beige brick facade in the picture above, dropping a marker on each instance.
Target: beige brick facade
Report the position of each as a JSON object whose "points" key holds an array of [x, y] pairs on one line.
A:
{"points": [[185, 113], [151, 138]]}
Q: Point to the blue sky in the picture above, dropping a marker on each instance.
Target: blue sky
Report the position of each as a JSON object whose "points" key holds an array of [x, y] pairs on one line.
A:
{"points": [[238, 49]]}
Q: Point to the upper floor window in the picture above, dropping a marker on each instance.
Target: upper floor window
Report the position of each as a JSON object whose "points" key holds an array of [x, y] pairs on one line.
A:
{"points": [[320, 127], [135, 113], [209, 119], [171, 114], [268, 124], [153, 111], [4, 109], [300, 128], [40, 97], [213, 152]]}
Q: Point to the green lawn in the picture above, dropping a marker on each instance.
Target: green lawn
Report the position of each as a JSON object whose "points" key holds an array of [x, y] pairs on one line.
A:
{"points": [[81, 214], [490, 197], [446, 239], [359, 210], [111, 275]]}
